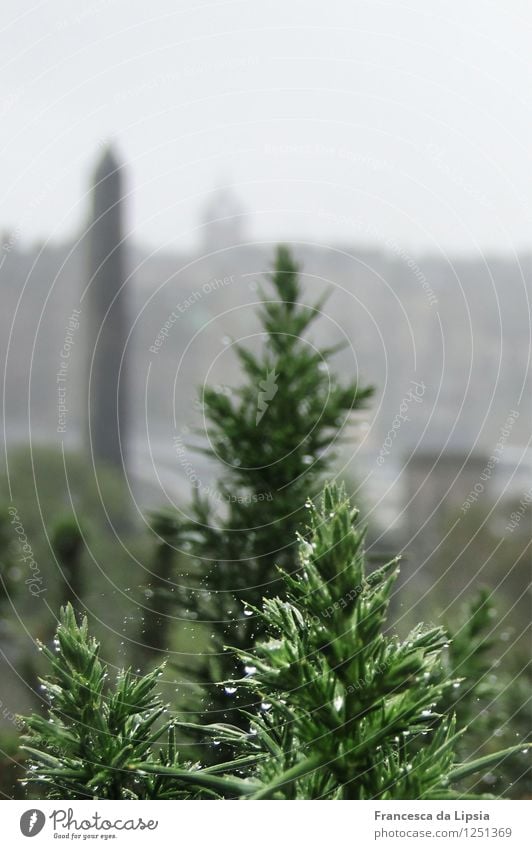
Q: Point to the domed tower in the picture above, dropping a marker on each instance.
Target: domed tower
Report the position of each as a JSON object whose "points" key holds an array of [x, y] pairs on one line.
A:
{"points": [[222, 221], [107, 309]]}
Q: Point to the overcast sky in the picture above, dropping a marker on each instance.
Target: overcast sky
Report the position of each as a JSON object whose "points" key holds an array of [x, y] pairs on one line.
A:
{"points": [[333, 119]]}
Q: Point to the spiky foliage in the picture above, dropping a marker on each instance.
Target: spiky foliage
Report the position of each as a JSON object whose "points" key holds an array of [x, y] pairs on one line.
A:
{"points": [[81, 749], [94, 730], [343, 705], [469, 659], [275, 436], [493, 698]]}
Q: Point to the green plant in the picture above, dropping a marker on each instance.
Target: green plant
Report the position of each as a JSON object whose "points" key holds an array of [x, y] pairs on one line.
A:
{"points": [[82, 748], [343, 705], [469, 659], [494, 696], [275, 436], [95, 729], [67, 544], [52, 494], [158, 601]]}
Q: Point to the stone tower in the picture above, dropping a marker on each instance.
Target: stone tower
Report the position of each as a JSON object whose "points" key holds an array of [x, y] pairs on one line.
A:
{"points": [[107, 311]]}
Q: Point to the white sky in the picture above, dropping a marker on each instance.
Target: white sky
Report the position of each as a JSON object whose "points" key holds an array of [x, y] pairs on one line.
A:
{"points": [[334, 120]]}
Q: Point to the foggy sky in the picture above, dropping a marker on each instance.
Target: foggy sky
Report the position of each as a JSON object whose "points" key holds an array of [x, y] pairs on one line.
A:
{"points": [[335, 121]]}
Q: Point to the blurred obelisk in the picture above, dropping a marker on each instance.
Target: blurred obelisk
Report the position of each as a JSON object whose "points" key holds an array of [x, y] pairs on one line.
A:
{"points": [[107, 315]]}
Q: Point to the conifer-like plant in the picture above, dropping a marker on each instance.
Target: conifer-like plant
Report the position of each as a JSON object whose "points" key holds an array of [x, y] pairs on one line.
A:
{"points": [[344, 705], [275, 436], [494, 697], [337, 707], [82, 748]]}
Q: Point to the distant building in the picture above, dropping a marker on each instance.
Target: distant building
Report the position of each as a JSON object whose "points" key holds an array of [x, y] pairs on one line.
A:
{"points": [[222, 221], [108, 324]]}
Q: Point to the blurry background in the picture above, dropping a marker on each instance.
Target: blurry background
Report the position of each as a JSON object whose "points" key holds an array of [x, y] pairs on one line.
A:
{"points": [[158, 154]]}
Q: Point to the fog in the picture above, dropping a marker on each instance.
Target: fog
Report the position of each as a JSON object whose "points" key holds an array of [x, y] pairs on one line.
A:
{"points": [[250, 250], [351, 122]]}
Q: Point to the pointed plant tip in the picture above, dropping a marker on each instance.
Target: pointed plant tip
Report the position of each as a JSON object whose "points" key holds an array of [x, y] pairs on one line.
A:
{"points": [[65, 612], [282, 572]]}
